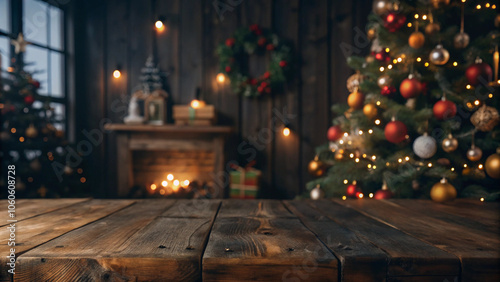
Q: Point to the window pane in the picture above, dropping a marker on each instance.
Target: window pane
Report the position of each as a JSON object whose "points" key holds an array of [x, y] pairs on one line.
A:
{"points": [[60, 115], [36, 60], [56, 28], [4, 16], [4, 50], [56, 75], [35, 21]]}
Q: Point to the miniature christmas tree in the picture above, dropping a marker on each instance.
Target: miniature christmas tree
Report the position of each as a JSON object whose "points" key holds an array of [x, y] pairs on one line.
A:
{"points": [[423, 106]]}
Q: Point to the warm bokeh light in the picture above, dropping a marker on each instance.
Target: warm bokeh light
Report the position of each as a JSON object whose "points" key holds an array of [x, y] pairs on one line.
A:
{"points": [[164, 183], [286, 131], [377, 121], [185, 183], [176, 182], [482, 199], [83, 180], [21, 139], [13, 130], [153, 187], [221, 78], [360, 195], [162, 191], [480, 166], [346, 181], [159, 25], [370, 195], [117, 74], [344, 198], [170, 177], [196, 104]]}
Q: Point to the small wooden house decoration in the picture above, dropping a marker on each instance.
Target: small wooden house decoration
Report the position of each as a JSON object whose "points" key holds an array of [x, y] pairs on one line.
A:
{"points": [[155, 107]]}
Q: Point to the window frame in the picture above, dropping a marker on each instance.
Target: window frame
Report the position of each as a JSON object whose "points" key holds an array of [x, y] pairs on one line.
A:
{"points": [[16, 26]]}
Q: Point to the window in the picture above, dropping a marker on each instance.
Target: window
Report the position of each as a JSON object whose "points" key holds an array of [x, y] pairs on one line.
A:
{"points": [[42, 24]]}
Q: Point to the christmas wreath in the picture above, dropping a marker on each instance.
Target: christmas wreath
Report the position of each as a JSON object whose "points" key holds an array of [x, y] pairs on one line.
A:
{"points": [[235, 52]]}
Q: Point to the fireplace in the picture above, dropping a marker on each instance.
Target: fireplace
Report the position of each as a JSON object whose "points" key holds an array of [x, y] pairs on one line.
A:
{"points": [[169, 161]]}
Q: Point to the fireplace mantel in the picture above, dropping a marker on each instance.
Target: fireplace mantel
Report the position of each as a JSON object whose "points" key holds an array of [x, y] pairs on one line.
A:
{"points": [[143, 137]]}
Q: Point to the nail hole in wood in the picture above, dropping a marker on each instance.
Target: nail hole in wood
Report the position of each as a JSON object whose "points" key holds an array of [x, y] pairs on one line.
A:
{"points": [[268, 233], [189, 248], [43, 260], [59, 246], [228, 250], [161, 247], [291, 249]]}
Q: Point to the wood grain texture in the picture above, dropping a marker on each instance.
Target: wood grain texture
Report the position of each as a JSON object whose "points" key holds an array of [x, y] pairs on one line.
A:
{"points": [[265, 249], [408, 256], [27, 208], [254, 208], [477, 249], [359, 259], [36, 231]]}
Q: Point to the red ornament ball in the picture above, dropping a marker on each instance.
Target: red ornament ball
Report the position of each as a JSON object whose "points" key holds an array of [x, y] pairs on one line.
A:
{"points": [[262, 41], [352, 190], [383, 194], [393, 21], [395, 131], [388, 90], [29, 100], [270, 47], [35, 84], [267, 75], [334, 133], [478, 73], [382, 56], [228, 69], [283, 64], [410, 88], [444, 110], [230, 42]]}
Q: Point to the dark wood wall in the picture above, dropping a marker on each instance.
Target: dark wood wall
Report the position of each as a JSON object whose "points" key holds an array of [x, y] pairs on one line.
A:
{"points": [[120, 33]]}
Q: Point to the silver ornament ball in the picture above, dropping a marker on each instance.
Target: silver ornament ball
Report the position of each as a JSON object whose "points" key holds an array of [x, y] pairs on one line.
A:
{"points": [[439, 56], [425, 146], [381, 7], [317, 193], [461, 40]]}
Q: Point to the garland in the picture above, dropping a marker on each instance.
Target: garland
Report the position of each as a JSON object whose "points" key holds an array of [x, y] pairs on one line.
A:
{"points": [[234, 55]]}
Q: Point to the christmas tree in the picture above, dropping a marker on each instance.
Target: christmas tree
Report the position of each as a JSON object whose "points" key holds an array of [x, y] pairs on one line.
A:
{"points": [[33, 140], [422, 116]]}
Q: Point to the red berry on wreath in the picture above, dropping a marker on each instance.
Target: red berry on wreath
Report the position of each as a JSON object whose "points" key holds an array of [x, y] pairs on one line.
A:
{"points": [[29, 100], [228, 69], [283, 64], [444, 109], [334, 133], [395, 131], [253, 81], [478, 73], [260, 89], [270, 47], [264, 84], [262, 41], [230, 42], [267, 75], [388, 90], [410, 87]]}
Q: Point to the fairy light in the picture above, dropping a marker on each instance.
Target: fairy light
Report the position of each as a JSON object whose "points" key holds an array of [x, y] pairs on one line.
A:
{"points": [[387, 164], [185, 183], [159, 25], [221, 78], [360, 195], [369, 166], [378, 103], [176, 182], [409, 25], [286, 131], [374, 157], [480, 166], [452, 169], [400, 60], [419, 59], [382, 69], [162, 192], [465, 165], [83, 180], [426, 64], [407, 158], [487, 5], [490, 95], [477, 102], [493, 6], [80, 170], [468, 86], [424, 17], [455, 64], [374, 167], [351, 155], [387, 50], [153, 187], [400, 160], [416, 16], [370, 131], [389, 67], [341, 142], [117, 74], [360, 132], [346, 181], [170, 177], [463, 1], [478, 7], [395, 61], [482, 199], [370, 195], [469, 105], [164, 183], [13, 130], [429, 164], [21, 139], [357, 160], [344, 198], [377, 121], [196, 104], [364, 156]]}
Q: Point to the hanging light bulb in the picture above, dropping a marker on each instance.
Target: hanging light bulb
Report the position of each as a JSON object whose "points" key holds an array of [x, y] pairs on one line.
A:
{"points": [[117, 73], [221, 78], [286, 131]]}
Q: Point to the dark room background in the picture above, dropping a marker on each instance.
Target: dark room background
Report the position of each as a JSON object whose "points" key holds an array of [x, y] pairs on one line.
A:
{"points": [[120, 34]]}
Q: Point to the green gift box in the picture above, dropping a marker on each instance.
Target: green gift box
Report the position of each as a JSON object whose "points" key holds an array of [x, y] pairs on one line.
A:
{"points": [[244, 183]]}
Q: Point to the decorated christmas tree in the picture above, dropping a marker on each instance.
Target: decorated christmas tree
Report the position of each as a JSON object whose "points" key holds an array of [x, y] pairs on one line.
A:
{"points": [[33, 141], [421, 118]]}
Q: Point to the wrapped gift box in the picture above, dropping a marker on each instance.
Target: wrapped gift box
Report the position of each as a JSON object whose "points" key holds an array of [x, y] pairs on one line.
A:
{"points": [[244, 183], [187, 115]]}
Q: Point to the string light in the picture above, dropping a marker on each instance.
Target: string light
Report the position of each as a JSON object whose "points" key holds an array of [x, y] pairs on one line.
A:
{"points": [[426, 64], [360, 195], [455, 64], [370, 195], [477, 102], [346, 134], [490, 95], [468, 86], [389, 67], [79, 170], [83, 180], [360, 132], [387, 50], [176, 182], [452, 169], [478, 7], [387, 164], [395, 61], [346, 181], [407, 158], [400, 160], [465, 165], [482, 199], [429, 165], [21, 139], [424, 17], [378, 103], [286, 131], [493, 6], [369, 166], [162, 191], [487, 5], [159, 25], [170, 177], [344, 198], [221, 78], [357, 160], [377, 121], [351, 155], [480, 166], [153, 187], [364, 155], [185, 183], [370, 131], [416, 16], [117, 74], [164, 183], [419, 59], [400, 60], [382, 69], [196, 104], [13, 130], [374, 157], [341, 142], [374, 167]]}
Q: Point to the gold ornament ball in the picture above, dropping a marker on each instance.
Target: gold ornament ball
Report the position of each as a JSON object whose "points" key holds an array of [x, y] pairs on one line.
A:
{"points": [[370, 111], [432, 28], [384, 80], [356, 100], [439, 56], [31, 132], [449, 144], [316, 168], [354, 81], [416, 40], [461, 40], [443, 192], [371, 33], [485, 118], [474, 154], [492, 166], [440, 3]]}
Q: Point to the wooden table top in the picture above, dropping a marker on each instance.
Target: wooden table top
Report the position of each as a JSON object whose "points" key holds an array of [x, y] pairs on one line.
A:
{"points": [[237, 240]]}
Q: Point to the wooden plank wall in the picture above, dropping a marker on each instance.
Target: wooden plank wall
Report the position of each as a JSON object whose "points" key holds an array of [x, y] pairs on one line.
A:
{"points": [[120, 33]]}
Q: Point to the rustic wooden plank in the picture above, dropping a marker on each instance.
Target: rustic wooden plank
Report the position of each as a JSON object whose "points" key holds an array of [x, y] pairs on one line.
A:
{"points": [[408, 256], [171, 129], [123, 165], [193, 209], [359, 259], [477, 250], [474, 221], [472, 208], [140, 40], [253, 208], [265, 249], [287, 175], [88, 253], [36, 231], [27, 208]]}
